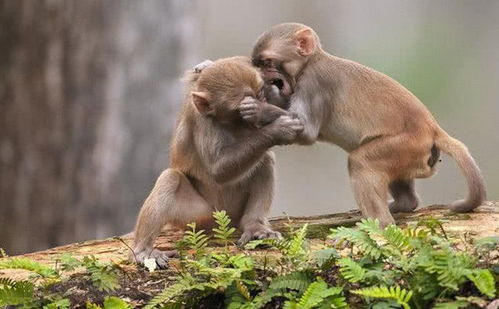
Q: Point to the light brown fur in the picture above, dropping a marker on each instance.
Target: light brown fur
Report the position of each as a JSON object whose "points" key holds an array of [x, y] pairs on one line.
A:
{"points": [[218, 161], [389, 134]]}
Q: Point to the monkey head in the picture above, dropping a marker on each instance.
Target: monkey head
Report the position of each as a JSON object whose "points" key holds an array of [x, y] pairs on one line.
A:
{"points": [[281, 53], [222, 85]]}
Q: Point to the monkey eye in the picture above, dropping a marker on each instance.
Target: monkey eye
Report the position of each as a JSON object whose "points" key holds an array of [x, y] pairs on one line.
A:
{"points": [[267, 62]]}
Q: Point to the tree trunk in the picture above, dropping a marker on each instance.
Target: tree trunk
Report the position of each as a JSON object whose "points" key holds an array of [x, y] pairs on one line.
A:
{"points": [[88, 96]]}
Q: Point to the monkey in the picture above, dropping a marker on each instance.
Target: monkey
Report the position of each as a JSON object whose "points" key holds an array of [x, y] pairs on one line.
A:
{"points": [[218, 160], [389, 134]]}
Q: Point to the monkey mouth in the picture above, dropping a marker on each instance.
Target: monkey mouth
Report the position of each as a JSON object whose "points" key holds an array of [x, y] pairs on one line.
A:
{"points": [[279, 83], [276, 78]]}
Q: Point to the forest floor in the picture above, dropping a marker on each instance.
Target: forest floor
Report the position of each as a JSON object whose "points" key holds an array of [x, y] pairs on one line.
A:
{"points": [[137, 284]]}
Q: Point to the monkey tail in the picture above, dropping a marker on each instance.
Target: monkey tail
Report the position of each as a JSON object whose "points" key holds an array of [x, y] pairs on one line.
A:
{"points": [[476, 186]]}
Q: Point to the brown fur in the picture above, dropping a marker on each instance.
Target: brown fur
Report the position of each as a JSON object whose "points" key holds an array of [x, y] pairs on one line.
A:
{"points": [[390, 135], [218, 161]]}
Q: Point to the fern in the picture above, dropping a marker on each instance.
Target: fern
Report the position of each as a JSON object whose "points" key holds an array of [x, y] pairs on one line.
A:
{"points": [[30, 265], [325, 257], [351, 270], [110, 303], [297, 242], [484, 281], [451, 305], [396, 293], [15, 292], [223, 231], [298, 281], [358, 238], [103, 275], [196, 240], [168, 295], [451, 269], [316, 294]]}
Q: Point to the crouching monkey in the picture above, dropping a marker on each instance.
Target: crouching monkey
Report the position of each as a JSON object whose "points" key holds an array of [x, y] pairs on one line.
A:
{"points": [[218, 160]]}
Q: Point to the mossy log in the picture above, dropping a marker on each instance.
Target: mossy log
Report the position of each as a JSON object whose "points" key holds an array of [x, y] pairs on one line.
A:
{"points": [[483, 222]]}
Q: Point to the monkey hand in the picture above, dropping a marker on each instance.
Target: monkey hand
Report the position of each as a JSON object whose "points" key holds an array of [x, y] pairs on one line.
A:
{"points": [[161, 257], [285, 129], [251, 110], [198, 68], [257, 231]]}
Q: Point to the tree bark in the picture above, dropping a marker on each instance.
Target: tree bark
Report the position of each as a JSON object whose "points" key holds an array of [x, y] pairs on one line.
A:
{"points": [[88, 95]]}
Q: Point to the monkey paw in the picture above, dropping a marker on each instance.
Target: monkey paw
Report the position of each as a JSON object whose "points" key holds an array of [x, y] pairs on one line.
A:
{"points": [[250, 110], [262, 232], [286, 129], [198, 68], [161, 257]]}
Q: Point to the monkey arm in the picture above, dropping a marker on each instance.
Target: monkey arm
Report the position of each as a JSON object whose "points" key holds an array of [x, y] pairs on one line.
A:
{"points": [[234, 160], [269, 113], [310, 115]]}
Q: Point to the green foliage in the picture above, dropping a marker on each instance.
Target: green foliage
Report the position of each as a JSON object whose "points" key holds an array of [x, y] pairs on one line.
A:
{"points": [[396, 293], [418, 266], [15, 292], [318, 294], [110, 303], [351, 270], [30, 265], [484, 281], [103, 275], [223, 231]]}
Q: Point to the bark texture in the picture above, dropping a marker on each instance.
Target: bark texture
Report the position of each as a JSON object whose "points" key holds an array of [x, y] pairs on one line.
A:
{"points": [[88, 96]]}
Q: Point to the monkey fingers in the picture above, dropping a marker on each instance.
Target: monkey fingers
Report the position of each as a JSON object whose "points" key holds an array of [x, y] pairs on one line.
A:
{"points": [[264, 232], [198, 68], [161, 257]]}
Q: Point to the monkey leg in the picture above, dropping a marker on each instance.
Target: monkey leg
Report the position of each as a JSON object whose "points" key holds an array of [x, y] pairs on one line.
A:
{"points": [[254, 223], [172, 200], [372, 167], [405, 198]]}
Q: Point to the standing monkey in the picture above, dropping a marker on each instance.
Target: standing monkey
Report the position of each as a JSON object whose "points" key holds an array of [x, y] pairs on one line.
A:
{"points": [[389, 134], [218, 160]]}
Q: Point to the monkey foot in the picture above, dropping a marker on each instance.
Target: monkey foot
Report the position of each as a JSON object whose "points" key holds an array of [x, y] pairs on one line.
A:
{"points": [[161, 257], [260, 233], [403, 205]]}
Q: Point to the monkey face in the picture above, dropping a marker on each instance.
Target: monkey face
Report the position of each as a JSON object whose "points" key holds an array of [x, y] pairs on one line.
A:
{"points": [[224, 84]]}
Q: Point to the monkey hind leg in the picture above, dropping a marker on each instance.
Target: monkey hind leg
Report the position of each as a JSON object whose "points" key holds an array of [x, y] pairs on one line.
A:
{"points": [[370, 188], [172, 200], [405, 198]]}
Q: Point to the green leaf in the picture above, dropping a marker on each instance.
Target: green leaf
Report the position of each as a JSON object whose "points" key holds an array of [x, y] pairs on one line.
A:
{"points": [[115, 303], [396, 293], [30, 265], [351, 270], [15, 292], [484, 281]]}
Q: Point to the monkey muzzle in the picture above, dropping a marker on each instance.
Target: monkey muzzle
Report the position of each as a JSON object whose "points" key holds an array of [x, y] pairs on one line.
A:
{"points": [[275, 77]]}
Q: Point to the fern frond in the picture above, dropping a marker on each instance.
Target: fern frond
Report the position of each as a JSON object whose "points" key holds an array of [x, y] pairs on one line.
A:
{"points": [[457, 304], [484, 281], [30, 265], [358, 238], [325, 256], [396, 293], [195, 240], [451, 268], [298, 281], [316, 293], [223, 231], [15, 292], [297, 242], [397, 238], [351, 270], [168, 295]]}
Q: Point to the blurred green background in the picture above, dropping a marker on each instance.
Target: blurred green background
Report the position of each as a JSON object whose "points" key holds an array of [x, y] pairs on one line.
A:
{"points": [[89, 92]]}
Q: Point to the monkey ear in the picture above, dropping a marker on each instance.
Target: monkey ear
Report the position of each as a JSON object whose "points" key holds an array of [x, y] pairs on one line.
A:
{"points": [[305, 41], [200, 100]]}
